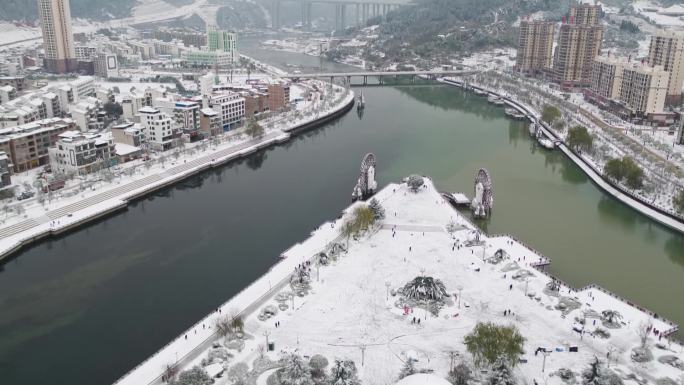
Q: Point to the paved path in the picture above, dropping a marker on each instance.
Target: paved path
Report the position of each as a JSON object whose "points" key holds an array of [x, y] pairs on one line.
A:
{"points": [[415, 228], [123, 190]]}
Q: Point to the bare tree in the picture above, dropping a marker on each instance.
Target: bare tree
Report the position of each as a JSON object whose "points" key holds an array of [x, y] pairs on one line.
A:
{"points": [[643, 332]]}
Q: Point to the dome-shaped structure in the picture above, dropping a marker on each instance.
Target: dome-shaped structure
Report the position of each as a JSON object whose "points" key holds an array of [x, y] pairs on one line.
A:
{"points": [[423, 379]]}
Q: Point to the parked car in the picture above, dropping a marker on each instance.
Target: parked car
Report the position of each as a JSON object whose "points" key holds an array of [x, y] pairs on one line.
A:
{"points": [[25, 195]]}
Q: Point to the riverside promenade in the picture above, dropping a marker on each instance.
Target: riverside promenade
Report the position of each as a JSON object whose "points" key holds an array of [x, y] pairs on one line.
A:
{"points": [[93, 206], [590, 170], [349, 296]]}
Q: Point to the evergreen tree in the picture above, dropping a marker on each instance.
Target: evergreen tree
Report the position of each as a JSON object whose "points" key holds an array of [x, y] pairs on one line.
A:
{"points": [[501, 374], [596, 374], [378, 210], [295, 371], [318, 363], [343, 373], [408, 369]]}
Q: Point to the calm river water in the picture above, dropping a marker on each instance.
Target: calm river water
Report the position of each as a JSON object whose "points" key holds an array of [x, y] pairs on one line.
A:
{"points": [[86, 307]]}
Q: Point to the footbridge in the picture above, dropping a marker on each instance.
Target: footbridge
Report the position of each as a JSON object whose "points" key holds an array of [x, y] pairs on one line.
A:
{"points": [[380, 75]]}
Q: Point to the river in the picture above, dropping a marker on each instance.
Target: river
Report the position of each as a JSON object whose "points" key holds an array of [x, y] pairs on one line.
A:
{"points": [[85, 307]]}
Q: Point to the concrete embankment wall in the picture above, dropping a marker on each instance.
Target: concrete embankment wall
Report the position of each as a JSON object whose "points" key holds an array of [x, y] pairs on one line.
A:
{"points": [[652, 211], [105, 209]]}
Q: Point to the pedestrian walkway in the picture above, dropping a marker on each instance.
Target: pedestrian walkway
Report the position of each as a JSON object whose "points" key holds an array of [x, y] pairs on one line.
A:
{"points": [[124, 190], [413, 228]]}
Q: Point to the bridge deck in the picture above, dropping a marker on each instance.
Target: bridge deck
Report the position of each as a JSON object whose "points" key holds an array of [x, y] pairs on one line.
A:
{"points": [[377, 73]]}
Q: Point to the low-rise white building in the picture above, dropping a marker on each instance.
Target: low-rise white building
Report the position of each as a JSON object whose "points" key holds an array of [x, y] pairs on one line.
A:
{"points": [[160, 131], [7, 93], [86, 114], [231, 108], [82, 152]]}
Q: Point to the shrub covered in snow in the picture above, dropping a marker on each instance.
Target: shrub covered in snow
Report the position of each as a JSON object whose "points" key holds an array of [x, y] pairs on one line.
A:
{"points": [[318, 363], [408, 369], [294, 371], [343, 373], [378, 210], [611, 319], [460, 374], [194, 376], [597, 374], [501, 373], [238, 372], [425, 288], [415, 182]]}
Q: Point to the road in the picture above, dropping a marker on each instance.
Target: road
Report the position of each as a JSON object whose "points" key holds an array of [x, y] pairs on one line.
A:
{"points": [[123, 190]]}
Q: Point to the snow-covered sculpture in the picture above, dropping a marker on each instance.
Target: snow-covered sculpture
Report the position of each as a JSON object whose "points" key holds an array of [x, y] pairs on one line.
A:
{"points": [[483, 201], [366, 184]]}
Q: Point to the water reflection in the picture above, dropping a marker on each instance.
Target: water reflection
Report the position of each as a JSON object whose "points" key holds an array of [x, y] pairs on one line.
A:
{"points": [[613, 211], [674, 247], [256, 160]]}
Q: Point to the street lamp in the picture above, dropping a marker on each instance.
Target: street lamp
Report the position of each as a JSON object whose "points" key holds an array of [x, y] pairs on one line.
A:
{"points": [[387, 286], [459, 287], [545, 353]]}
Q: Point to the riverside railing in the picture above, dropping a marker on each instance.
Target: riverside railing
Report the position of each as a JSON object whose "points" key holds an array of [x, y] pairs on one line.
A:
{"points": [[249, 309], [546, 261], [532, 117], [204, 344]]}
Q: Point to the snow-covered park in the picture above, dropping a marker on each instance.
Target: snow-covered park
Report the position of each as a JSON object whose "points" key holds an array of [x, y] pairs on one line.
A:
{"points": [[352, 304]]}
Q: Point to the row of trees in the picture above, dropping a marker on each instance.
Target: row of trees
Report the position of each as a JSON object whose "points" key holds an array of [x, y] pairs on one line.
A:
{"points": [[678, 201], [619, 169], [579, 138]]}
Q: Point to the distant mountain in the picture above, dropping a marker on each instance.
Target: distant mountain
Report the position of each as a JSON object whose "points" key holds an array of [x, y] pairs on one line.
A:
{"points": [[444, 27], [86, 9]]}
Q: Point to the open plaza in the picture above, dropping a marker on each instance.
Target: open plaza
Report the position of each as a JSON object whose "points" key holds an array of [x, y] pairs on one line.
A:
{"points": [[347, 305]]}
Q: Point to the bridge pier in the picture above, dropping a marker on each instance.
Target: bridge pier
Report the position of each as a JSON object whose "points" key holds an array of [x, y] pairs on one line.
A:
{"points": [[337, 17], [275, 14]]}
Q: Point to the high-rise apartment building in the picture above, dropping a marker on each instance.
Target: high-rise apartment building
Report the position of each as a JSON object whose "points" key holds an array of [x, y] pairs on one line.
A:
{"points": [[644, 88], [535, 46], [667, 50], [579, 42], [223, 41], [58, 40], [585, 14], [606, 76]]}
